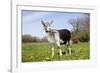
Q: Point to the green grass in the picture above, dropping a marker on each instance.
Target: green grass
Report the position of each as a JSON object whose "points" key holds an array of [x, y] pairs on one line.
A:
{"points": [[39, 52]]}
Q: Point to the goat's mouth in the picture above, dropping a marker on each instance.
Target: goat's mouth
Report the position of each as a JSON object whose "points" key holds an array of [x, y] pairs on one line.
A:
{"points": [[47, 31]]}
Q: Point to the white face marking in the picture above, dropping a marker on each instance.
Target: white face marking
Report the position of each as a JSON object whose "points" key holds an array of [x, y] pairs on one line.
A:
{"points": [[47, 26]]}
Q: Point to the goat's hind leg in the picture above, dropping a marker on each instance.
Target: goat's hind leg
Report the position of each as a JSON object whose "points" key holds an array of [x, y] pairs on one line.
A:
{"points": [[60, 51], [58, 45], [69, 48]]}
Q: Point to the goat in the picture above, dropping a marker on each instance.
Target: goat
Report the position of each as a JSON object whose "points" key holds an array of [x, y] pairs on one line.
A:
{"points": [[57, 37]]}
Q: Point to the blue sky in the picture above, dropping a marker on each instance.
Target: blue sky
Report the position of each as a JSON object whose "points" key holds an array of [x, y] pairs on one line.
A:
{"points": [[31, 21]]}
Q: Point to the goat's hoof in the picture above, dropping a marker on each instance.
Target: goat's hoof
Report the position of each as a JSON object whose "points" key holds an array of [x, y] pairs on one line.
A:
{"points": [[66, 54], [70, 53], [48, 59], [52, 57]]}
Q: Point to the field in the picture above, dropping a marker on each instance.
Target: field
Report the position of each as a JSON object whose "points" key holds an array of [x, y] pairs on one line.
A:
{"points": [[39, 52]]}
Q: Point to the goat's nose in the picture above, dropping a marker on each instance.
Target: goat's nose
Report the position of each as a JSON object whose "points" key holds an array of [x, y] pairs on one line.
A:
{"points": [[47, 31]]}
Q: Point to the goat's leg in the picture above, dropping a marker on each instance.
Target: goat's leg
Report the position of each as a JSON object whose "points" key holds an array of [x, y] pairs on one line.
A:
{"points": [[52, 52], [69, 50], [58, 45], [60, 52], [69, 47], [66, 50]]}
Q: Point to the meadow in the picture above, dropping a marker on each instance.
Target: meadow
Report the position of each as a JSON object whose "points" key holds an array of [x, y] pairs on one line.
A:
{"points": [[41, 52]]}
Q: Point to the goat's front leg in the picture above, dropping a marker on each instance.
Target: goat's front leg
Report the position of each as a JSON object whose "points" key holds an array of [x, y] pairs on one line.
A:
{"points": [[52, 51]]}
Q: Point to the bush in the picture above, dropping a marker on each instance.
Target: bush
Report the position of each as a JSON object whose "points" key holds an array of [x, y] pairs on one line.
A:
{"points": [[84, 37], [80, 37], [76, 39], [29, 38]]}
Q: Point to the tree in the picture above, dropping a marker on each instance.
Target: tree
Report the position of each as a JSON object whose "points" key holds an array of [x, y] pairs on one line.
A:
{"points": [[86, 23], [81, 27], [75, 24], [81, 23]]}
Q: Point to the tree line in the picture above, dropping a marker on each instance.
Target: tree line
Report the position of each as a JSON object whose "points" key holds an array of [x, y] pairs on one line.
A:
{"points": [[29, 38]]}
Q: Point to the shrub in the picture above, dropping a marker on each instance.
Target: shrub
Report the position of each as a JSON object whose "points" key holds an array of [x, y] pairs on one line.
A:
{"points": [[80, 37], [84, 37], [29, 38]]}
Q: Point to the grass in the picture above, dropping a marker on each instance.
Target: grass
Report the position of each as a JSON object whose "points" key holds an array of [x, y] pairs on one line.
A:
{"points": [[39, 52]]}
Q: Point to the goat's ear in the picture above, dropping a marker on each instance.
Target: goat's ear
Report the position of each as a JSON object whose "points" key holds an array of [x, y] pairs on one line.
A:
{"points": [[42, 22], [51, 22]]}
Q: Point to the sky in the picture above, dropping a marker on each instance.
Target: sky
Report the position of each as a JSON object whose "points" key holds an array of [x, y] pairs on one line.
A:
{"points": [[31, 21]]}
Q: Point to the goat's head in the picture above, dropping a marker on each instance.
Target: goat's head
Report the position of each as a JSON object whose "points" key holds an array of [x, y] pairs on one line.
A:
{"points": [[47, 25]]}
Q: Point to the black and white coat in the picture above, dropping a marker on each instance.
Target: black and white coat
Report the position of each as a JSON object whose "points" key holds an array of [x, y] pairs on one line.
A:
{"points": [[62, 36], [57, 37]]}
